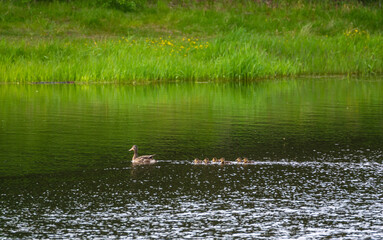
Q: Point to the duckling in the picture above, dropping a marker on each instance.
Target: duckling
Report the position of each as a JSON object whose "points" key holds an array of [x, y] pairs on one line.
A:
{"points": [[222, 160], [214, 159], [206, 160], [239, 160], [197, 161], [245, 160]]}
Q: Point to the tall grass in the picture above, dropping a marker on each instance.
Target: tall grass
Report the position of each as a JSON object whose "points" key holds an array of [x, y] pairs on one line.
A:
{"points": [[80, 42]]}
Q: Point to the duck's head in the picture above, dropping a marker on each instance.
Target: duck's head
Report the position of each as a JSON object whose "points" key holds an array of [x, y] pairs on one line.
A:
{"points": [[222, 160], [245, 160], [239, 159], [134, 148], [206, 160], [196, 160], [214, 159]]}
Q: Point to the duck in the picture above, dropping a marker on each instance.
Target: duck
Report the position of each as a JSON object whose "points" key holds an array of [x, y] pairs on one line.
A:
{"points": [[145, 159], [239, 160], [222, 161], [214, 159], [206, 160], [197, 161], [245, 160]]}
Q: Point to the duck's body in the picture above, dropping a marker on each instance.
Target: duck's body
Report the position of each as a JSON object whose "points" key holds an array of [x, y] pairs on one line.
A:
{"points": [[239, 160], [214, 159], [197, 161], [245, 160], [206, 161], [145, 159], [222, 161]]}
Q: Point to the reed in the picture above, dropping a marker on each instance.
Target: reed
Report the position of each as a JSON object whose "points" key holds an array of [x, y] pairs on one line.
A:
{"points": [[187, 42]]}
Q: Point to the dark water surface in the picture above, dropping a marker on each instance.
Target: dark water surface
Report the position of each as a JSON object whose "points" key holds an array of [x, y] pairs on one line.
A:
{"points": [[65, 171]]}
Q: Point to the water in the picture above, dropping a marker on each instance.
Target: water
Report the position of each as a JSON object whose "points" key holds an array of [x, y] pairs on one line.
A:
{"points": [[317, 145]]}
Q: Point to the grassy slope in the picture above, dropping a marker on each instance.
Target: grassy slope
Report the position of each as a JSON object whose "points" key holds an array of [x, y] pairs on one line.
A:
{"points": [[80, 42]]}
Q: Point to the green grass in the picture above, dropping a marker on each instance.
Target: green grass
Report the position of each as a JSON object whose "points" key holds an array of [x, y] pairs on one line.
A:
{"points": [[79, 41]]}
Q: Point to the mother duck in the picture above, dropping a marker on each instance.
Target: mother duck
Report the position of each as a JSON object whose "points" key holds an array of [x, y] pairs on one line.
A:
{"points": [[141, 159]]}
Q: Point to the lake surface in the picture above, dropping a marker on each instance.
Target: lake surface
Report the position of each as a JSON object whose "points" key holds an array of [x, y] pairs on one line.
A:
{"points": [[65, 169]]}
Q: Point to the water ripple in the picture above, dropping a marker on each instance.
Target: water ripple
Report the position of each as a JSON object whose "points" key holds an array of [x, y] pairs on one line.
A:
{"points": [[175, 199]]}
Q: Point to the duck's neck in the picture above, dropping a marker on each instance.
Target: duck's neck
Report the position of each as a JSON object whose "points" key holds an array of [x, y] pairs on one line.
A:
{"points": [[135, 155]]}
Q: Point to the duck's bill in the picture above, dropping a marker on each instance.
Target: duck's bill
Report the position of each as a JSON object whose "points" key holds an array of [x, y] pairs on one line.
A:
{"points": [[131, 149]]}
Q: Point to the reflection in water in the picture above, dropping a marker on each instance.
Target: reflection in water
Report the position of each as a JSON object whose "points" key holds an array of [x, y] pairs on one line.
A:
{"points": [[54, 128], [265, 200], [66, 172]]}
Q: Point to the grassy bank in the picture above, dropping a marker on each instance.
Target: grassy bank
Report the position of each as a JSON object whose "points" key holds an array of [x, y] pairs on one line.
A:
{"points": [[79, 41]]}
